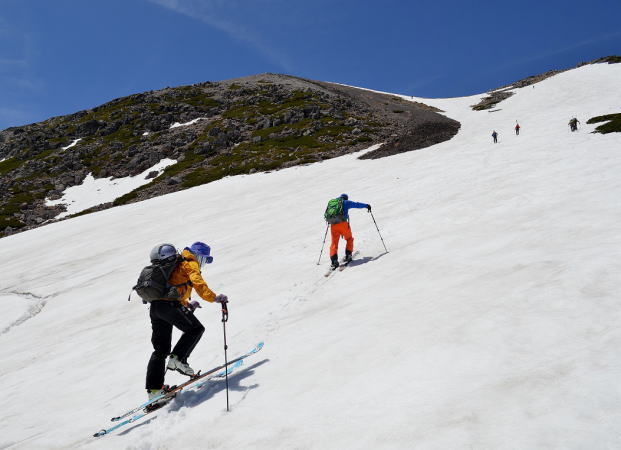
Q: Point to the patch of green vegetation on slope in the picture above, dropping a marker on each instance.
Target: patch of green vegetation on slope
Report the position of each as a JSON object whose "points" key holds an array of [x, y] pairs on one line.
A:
{"points": [[268, 154], [9, 165], [280, 146], [19, 196], [298, 99], [613, 124]]}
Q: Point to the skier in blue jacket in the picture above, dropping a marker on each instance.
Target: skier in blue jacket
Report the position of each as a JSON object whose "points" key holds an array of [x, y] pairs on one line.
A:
{"points": [[342, 229]]}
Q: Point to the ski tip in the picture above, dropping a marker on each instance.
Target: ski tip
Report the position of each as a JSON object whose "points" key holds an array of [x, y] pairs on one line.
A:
{"points": [[99, 433], [259, 346]]}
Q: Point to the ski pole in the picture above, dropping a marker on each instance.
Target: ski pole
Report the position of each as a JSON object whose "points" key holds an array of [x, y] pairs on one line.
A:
{"points": [[225, 317], [324, 243], [378, 231]]}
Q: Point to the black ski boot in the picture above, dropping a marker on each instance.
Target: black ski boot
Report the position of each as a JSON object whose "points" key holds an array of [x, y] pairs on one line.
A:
{"points": [[347, 257], [335, 261]]}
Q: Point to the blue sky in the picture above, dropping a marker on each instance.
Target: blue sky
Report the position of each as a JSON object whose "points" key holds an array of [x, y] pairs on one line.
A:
{"points": [[58, 57]]}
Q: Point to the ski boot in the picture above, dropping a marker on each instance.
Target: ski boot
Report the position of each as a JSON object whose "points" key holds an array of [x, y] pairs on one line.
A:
{"points": [[153, 393], [335, 261], [347, 258], [174, 363]]}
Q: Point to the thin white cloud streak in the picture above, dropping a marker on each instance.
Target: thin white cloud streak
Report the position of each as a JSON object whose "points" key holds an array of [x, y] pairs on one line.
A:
{"points": [[15, 67], [200, 12], [9, 36], [12, 62]]}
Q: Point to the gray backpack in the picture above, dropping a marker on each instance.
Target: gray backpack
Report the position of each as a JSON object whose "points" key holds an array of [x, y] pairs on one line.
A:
{"points": [[153, 282]]}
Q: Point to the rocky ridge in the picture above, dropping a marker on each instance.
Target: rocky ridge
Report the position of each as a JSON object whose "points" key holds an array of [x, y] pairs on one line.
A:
{"points": [[241, 126], [496, 96]]}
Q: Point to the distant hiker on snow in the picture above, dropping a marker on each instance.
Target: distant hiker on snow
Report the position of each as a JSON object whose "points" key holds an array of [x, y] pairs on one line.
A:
{"points": [[495, 136], [170, 306], [573, 124], [517, 129], [337, 214]]}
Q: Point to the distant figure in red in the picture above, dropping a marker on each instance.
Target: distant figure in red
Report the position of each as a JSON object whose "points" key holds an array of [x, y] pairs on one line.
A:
{"points": [[495, 136], [517, 129]]}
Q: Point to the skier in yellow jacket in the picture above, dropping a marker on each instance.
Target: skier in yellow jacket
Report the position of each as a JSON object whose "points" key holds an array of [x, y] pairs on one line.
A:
{"points": [[179, 313]]}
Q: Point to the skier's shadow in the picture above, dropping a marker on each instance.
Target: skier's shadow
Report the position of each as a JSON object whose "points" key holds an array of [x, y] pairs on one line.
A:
{"points": [[190, 399], [366, 259]]}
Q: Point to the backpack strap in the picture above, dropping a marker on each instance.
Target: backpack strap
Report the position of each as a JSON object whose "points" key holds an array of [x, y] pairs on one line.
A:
{"points": [[187, 283]]}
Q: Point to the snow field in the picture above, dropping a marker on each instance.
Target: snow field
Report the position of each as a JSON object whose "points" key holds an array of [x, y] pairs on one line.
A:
{"points": [[492, 323]]}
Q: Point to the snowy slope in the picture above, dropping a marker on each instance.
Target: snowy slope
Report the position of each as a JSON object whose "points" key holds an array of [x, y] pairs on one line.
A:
{"points": [[493, 322]]}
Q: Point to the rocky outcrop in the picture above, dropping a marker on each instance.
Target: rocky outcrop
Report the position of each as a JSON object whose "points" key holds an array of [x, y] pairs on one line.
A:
{"points": [[492, 100], [258, 123], [419, 136]]}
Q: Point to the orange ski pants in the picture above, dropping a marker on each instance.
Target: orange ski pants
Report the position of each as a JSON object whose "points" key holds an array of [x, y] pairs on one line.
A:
{"points": [[336, 231]]}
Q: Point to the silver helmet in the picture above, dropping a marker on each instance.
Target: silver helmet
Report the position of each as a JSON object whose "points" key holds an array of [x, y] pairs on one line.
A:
{"points": [[162, 252]]}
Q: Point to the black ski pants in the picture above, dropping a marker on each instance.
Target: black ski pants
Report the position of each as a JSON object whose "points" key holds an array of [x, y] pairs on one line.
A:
{"points": [[164, 315]]}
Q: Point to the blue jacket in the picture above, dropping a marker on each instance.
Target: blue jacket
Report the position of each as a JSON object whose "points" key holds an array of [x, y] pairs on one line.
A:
{"points": [[347, 204]]}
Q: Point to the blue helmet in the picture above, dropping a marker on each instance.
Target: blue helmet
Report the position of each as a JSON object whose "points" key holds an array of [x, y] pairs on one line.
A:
{"points": [[201, 251], [344, 197], [162, 252]]}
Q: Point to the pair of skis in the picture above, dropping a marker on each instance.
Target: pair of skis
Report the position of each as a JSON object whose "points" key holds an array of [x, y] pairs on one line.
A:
{"points": [[341, 266], [148, 407]]}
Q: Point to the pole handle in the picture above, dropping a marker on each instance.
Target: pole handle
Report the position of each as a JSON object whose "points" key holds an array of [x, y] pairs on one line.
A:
{"points": [[225, 312]]}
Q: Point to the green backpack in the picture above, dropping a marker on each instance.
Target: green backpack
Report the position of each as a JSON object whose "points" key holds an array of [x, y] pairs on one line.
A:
{"points": [[334, 211]]}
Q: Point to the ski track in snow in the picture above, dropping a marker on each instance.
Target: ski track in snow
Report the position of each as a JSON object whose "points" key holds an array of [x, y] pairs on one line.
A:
{"points": [[494, 319], [17, 300]]}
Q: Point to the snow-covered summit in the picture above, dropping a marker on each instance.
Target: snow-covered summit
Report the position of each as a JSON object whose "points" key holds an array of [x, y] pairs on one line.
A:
{"points": [[493, 322]]}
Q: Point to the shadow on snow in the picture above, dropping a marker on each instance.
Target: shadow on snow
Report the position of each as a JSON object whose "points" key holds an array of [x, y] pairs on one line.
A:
{"points": [[366, 259], [190, 399]]}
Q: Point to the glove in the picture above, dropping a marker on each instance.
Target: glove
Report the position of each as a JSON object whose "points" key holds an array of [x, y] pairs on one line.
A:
{"points": [[193, 305], [369, 208], [221, 298]]}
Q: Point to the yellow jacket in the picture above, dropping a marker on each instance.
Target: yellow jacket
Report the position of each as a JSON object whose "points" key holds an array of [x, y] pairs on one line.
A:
{"points": [[189, 270]]}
